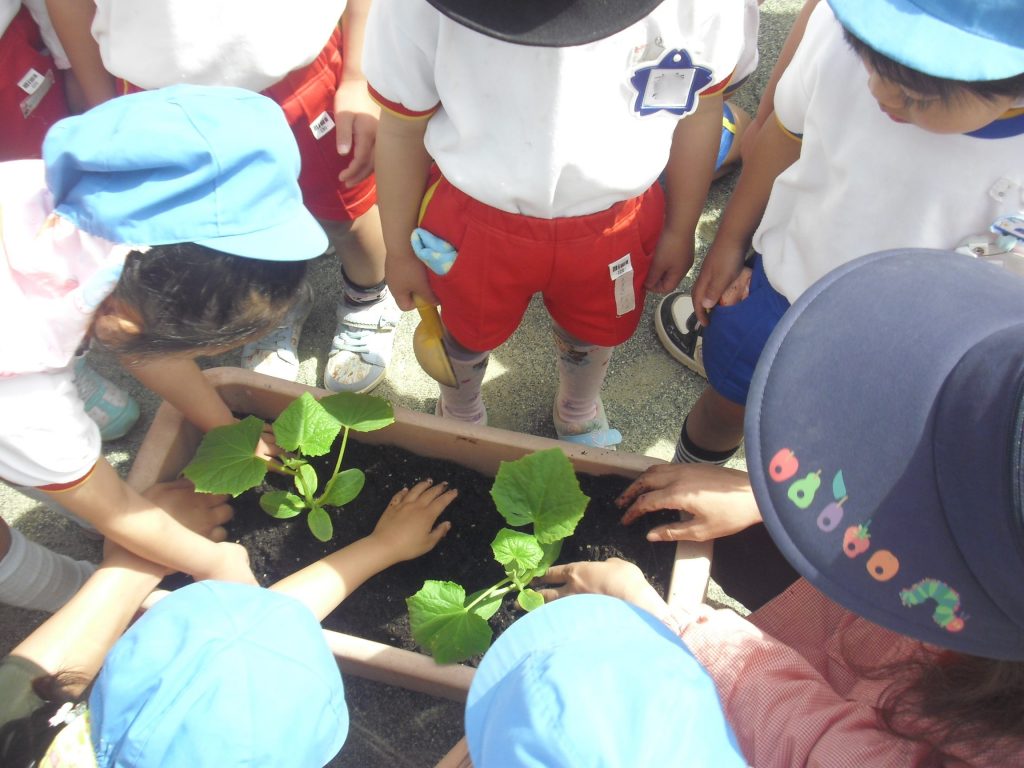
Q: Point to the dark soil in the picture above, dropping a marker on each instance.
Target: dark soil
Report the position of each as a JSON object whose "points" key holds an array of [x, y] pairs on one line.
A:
{"points": [[377, 610], [391, 727]]}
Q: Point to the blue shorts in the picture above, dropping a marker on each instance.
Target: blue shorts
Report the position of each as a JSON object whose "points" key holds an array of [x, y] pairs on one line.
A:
{"points": [[736, 335]]}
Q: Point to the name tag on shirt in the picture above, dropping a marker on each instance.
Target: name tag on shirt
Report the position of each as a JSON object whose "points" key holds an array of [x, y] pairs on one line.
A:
{"points": [[671, 85]]}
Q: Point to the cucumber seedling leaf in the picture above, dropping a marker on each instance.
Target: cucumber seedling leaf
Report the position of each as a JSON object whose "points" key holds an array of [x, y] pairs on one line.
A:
{"points": [[343, 487], [363, 413], [320, 523], [540, 488], [281, 504], [226, 461], [440, 622], [306, 426]]}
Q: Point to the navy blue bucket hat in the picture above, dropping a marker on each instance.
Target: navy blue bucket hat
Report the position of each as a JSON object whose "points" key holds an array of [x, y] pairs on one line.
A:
{"points": [[884, 436]]}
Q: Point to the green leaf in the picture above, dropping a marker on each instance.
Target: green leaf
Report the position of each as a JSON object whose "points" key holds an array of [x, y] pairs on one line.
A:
{"points": [[226, 461], [529, 600], [551, 552], [320, 523], [306, 426], [343, 487], [441, 624], [363, 413], [540, 488], [306, 481], [485, 608], [281, 504], [518, 552], [293, 462]]}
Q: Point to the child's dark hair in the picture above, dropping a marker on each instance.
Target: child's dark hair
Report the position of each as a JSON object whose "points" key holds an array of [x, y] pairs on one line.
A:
{"points": [[24, 741], [956, 703], [928, 85], [187, 297]]}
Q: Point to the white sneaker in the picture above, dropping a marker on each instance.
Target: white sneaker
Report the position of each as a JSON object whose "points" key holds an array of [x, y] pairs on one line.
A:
{"points": [[114, 410], [362, 345], [277, 353]]}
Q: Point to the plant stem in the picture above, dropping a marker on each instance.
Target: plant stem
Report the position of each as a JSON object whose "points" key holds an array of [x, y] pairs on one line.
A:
{"points": [[275, 466], [341, 452], [491, 592]]}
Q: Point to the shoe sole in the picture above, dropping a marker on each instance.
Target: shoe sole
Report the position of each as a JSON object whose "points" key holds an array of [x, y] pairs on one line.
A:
{"points": [[662, 317]]}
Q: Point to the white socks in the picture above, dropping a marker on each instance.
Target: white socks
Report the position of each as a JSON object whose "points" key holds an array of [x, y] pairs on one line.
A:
{"points": [[32, 576]]}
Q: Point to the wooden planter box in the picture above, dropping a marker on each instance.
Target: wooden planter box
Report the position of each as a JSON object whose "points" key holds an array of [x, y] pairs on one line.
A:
{"points": [[171, 442]]}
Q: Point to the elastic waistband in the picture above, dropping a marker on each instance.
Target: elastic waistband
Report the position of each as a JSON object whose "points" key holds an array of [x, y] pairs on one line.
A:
{"points": [[543, 230]]}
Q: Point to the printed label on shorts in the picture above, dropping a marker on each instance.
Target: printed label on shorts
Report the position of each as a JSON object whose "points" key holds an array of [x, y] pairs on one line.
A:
{"points": [[322, 125], [31, 81], [36, 86], [621, 272]]}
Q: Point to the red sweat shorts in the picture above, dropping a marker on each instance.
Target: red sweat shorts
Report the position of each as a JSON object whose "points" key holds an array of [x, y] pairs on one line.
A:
{"points": [[504, 258], [31, 90], [306, 95]]}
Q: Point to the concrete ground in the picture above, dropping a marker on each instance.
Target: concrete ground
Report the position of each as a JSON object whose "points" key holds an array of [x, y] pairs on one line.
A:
{"points": [[646, 395]]}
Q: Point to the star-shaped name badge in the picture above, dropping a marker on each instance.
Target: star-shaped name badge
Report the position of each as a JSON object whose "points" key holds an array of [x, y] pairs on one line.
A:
{"points": [[671, 85]]}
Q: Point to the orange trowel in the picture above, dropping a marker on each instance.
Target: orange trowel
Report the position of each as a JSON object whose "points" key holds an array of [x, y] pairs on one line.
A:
{"points": [[428, 345]]}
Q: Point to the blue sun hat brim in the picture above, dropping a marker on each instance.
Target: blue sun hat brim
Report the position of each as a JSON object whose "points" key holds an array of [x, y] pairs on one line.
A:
{"points": [[187, 164], [970, 40], [884, 444], [220, 674], [592, 680]]}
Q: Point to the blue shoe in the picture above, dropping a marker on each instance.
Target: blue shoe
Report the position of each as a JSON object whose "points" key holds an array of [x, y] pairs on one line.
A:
{"points": [[594, 433], [114, 410]]}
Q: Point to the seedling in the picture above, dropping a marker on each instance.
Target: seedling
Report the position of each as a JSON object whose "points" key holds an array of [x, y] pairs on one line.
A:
{"points": [[541, 490], [226, 461]]}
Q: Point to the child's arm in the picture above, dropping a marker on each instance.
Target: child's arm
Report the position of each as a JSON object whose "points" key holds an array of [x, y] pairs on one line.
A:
{"points": [[355, 113], [72, 21], [774, 151], [78, 637], [403, 166], [688, 175], [767, 104], [405, 530], [165, 533], [181, 382]]}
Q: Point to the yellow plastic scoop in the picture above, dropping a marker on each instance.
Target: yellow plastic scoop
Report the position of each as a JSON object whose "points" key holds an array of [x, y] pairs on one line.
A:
{"points": [[428, 345]]}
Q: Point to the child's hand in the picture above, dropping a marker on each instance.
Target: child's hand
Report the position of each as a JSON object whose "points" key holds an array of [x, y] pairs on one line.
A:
{"points": [[673, 257], [203, 513], [719, 501], [232, 565], [613, 577], [738, 290], [267, 447], [406, 277], [356, 116], [721, 267], [406, 529]]}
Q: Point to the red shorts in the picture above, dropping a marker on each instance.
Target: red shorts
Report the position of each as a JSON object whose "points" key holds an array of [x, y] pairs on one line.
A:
{"points": [[26, 117], [305, 95], [503, 259]]}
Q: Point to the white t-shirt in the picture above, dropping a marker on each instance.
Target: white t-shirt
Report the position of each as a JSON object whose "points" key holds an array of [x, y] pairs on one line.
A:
{"points": [[551, 132], [53, 276], [865, 183], [9, 9], [246, 43]]}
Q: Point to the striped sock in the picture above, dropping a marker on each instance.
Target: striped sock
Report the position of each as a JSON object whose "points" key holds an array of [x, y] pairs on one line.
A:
{"points": [[688, 452], [32, 576]]}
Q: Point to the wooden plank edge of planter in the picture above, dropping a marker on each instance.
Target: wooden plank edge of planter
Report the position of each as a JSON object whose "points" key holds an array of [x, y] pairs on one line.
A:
{"points": [[171, 443]]}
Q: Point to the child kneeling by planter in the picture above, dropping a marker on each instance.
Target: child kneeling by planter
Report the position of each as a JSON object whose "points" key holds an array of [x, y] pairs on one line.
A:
{"points": [[215, 674], [160, 226]]}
